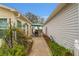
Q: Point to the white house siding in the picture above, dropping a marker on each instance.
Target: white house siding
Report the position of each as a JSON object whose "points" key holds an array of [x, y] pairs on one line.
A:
{"points": [[64, 26]]}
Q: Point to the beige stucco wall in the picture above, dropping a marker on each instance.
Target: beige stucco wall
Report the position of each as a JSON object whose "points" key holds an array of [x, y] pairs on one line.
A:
{"points": [[64, 26], [7, 14], [30, 30], [27, 28], [4, 13]]}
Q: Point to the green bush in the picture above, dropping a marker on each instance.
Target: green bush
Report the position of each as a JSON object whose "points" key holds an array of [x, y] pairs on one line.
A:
{"points": [[12, 46], [17, 50], [56, 49], [19, 44]]}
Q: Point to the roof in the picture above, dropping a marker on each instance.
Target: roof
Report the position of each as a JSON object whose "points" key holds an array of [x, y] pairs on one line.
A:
{"points": [[55, 12], [15, 11], [27, 19], [8, 8]]}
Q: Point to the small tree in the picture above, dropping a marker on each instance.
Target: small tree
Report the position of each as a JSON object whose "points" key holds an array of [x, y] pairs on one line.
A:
{"points": [[9, 34], [34, 18]]}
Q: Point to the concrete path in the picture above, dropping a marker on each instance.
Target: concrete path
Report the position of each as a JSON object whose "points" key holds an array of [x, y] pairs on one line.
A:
{"points": [[40, 47]]}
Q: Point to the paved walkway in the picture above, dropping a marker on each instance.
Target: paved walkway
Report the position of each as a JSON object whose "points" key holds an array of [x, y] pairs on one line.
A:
{"points": [[40, 47]]}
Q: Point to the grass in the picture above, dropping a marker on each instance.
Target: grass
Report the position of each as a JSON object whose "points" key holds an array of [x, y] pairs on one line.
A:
{"points": [[56, 49]]}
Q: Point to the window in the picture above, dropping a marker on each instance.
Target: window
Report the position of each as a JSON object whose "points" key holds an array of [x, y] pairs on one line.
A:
{"points": [[3, 23], [19, 25], [3, 26], [2, 33], [24, 27]]}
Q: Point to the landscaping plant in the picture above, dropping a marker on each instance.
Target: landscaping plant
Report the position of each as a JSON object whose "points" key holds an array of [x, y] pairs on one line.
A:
{"points": [[56, 49], [19, 46]]}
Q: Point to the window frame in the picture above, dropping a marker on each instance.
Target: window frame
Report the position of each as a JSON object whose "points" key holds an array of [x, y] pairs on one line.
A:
{"points": [[19, 26], [3, 28], [6, 23]]}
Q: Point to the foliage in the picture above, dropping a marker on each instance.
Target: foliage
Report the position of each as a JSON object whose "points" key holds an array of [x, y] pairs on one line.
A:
{"points": [[17, 50], [34, 18], [12, 46], [56, 49], [8, 37], [20, 45], [21, 37]]}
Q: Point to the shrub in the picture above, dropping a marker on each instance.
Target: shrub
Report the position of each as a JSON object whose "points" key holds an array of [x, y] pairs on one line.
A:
{"points": [[20, 45], [56, 49], [17, 50]]}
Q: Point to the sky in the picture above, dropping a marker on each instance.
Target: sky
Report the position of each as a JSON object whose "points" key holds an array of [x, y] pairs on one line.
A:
{"points": [[40, 9]]}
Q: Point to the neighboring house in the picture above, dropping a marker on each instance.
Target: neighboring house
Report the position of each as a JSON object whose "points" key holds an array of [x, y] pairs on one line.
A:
{"points": [[63, 25], [17, 20], [37, 26]]}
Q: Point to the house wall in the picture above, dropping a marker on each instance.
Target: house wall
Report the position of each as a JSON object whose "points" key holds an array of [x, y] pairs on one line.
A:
{"points": [[64, 26], [28, 27], [4, 13], [7, 14]]}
